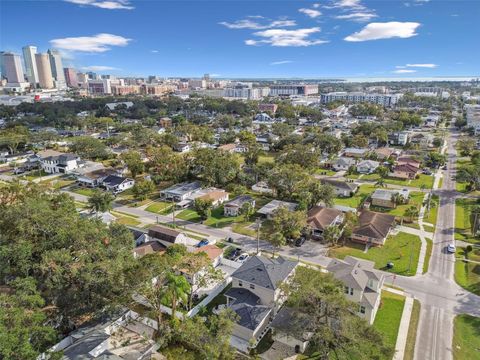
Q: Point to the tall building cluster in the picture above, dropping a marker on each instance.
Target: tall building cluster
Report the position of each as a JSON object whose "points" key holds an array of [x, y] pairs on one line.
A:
{"points": [[42, 70]]}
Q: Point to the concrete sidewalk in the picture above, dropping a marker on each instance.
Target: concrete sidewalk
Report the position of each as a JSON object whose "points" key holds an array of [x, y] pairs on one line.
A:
{"points": [[403, 329]]}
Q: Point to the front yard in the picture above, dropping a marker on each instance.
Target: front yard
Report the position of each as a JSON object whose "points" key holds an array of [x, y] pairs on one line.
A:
{"points": [[425, 180], [462, 220], [82, 191], [216, 218], [389, 315], [467, 274], [398, 249], [466, 337], [159, 207], [431, 216]]}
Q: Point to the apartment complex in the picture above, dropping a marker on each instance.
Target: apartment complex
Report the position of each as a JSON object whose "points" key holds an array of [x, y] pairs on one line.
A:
{"points": [[287, 90], [359, 97], [473, 117]]}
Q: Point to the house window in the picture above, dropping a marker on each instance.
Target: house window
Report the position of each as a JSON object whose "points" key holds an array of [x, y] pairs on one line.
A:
{"points": [[346, 289], [240, 283], [351, 291], [362, 309], [252, 286]]}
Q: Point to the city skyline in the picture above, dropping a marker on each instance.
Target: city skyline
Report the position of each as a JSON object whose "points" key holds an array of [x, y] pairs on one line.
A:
{"points": [[346, 38]]}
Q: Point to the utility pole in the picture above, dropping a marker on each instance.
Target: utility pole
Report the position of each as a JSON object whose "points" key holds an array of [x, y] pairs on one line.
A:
{"points": [[259, 224]]}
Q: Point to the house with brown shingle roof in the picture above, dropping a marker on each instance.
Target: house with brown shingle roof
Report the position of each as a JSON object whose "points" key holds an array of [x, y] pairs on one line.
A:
{"points": [[373, 228], [320, 218], [217, 197], [168, 236]]}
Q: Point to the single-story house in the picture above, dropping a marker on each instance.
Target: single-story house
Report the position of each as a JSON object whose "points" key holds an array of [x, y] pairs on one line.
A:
{"points": [[168, 236], [269, 209], [404, 171], [180, 192], [320, 218], [367, 166], [362, 284], [117, 184], [149, 247], [234, 207], [342, 188], [385, 153], [373, 228], [343, 163], [262, 187], [355, 152], [216, 196], [384, 197]]}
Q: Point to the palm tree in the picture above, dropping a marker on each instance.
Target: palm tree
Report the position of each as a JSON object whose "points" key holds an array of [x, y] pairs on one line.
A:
{"points": [[475, 219], [411, 212], [177, 291], [380, 183], [397, 199], [100, 201]]}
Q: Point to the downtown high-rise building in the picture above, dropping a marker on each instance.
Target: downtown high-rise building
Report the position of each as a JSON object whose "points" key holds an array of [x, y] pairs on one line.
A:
{"points": [[71, 77], [12, 66], [57, 68], [45, 78], [30, 64]]}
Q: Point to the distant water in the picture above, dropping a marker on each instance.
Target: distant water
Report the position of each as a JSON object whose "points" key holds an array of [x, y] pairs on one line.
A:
{"points": [[365, 79]]}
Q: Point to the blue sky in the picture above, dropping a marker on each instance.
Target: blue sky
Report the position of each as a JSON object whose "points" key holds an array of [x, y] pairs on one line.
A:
{"points": [[327, 38]]}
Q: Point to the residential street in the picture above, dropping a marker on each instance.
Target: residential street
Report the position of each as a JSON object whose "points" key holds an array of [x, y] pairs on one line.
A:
{"points": [[441, 298]]}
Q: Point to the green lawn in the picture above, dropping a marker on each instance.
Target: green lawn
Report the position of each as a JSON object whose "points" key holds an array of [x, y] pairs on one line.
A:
{"points": [[159, 207], [326, 172], [394, 181], [428, 255], [127, 220], [83, 191], [242, 228], [266, 158], [216, 219], [466, 338], [426, 180], [462, 219], [353, 176], [189, 215], [363, 192], [416, 198], [57, 183], [412, 331], [32, 175], [431, 216], [428, 228], [467, 274], [397, 249], [371, 177], [389, 315]]}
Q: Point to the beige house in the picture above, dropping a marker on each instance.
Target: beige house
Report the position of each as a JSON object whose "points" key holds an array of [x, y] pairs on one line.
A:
{"points": [[362, 284], [320, 218], [385, 198]]}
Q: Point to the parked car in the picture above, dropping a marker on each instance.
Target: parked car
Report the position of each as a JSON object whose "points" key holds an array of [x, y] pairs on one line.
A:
{"points": [[451, 248], [242, 258], [235, 253], [18, 171], [203, 242], [300, 241]]}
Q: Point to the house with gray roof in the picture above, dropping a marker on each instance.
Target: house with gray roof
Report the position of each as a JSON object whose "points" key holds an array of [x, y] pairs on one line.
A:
{"points": [[56, 162], [362, 284], [180, 192], [385, 198], [342, 188], [234, 207], [343, 163], [269, 209], [367, 166], [355, 152], [255, 296]]}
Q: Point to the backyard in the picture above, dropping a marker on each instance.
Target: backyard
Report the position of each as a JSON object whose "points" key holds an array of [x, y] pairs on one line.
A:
{"points": [[466, 338], [389, 315], [398, 249], [356, 200]]}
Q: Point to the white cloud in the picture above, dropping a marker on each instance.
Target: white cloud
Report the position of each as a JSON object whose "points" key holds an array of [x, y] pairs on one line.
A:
{"points": [[95, 43], [255, 25], [310, 12], [107, 4], [154, 51], [357, 16], [316, 6], [281, 62], [284, 37], [98, 68], [387, 30], [430, 66], [349, 4], [404, 71]]}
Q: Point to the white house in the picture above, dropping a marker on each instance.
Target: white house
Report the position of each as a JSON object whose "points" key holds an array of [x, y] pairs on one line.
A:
{"points": [[60, 163], [367, 166], [343, 163], [117, 184]]}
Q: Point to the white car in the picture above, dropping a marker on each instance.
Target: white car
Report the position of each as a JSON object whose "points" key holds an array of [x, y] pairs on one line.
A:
{"points": [[242, 258], [451, 248]]}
